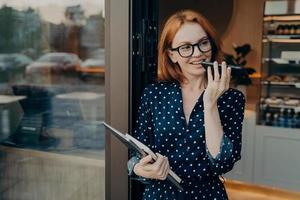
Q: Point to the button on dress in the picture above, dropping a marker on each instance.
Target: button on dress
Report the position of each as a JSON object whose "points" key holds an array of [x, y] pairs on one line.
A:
{"points": [[162, 126]]}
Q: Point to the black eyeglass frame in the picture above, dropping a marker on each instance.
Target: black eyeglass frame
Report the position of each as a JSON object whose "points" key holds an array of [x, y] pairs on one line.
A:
{"points": [[193, 47]]}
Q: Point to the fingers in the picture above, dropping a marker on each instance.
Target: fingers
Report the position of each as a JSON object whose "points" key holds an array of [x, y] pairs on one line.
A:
{"points": [[209, 75], [223, 74], [160, 159], [159, 163], [159, 169], [156, 165], [228, 77], [223, 80], [141, 167], [216, 72], [164, 169], [145, 160]]}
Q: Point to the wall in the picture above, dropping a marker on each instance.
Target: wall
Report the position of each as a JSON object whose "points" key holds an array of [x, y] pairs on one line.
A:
{"points": [[246, 27], [218, 12]]}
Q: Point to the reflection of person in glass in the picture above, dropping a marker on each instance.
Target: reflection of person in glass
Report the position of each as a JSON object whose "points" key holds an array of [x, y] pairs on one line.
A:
{"points": [[191, 117]]}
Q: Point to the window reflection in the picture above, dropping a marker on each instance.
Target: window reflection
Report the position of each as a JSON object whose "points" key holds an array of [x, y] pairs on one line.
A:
{"points": [[42, 61], [51, 94]]}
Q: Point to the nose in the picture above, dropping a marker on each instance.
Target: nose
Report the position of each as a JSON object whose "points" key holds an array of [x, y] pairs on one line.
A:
{"points": [[197, 51]]}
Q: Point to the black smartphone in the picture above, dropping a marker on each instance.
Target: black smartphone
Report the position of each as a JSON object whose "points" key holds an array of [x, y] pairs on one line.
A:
{"points": [[206, 64], [234, 69]]}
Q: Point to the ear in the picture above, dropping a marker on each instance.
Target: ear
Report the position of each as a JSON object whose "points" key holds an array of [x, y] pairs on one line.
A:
{"points": [[172, 56]]}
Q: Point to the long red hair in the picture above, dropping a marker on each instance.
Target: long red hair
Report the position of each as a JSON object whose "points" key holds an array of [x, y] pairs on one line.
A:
{"points": [[169, 71]]}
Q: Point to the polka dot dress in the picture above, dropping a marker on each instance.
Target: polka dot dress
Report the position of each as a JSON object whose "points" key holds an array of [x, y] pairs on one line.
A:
{"points": [[162, 126]]}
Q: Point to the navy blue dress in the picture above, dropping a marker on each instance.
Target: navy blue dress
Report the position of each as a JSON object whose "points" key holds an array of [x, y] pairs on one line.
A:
{"points": [[162, 126]]}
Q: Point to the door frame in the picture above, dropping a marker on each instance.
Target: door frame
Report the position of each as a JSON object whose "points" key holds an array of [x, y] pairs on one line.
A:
{"points": [[117, 95]]}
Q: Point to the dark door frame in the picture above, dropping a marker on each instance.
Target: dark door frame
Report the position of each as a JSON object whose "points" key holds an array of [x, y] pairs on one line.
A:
{"points": [[130, 29], [142, 63]]}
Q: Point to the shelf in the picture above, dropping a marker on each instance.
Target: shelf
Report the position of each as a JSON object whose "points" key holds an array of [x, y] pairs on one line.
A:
{"points": [[292, 37], [281, 40], [283, 106], [280, 61], [276, 60], [276, 83], [282, 18], [280, 57]]}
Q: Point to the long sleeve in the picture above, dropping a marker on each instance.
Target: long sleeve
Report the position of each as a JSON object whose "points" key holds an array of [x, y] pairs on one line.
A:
{"points": [[143, 129], [142, 132], [231, 143]]}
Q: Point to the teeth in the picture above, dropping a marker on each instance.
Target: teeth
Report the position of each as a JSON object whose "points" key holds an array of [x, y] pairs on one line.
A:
{"points": [[196, 63]]}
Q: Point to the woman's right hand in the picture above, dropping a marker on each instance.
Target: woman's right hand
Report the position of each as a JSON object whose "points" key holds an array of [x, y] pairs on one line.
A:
{"points": [[153, 170]]}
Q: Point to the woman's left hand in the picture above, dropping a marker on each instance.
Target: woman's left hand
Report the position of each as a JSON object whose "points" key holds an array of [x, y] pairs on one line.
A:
{"points": [[216, 85]]}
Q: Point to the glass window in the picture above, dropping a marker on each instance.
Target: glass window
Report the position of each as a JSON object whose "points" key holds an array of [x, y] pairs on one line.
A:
{"points": [[52, 99]]}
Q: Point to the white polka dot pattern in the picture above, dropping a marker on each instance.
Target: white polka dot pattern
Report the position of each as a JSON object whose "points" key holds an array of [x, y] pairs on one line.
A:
{"points": [[161, 125]]}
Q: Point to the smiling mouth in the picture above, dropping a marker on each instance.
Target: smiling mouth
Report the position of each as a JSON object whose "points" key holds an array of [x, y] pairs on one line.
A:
{"points": [[197, 62]]}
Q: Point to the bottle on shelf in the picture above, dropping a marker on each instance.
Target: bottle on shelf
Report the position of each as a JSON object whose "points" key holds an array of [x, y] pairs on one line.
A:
{"points": [[271, 30], [293, 29], [293, 119], [264, 110], [298, 29], [279, 29], [297, 119], [282, 118], [286, 29], [289, 118], [268, 120], [275, 119]]}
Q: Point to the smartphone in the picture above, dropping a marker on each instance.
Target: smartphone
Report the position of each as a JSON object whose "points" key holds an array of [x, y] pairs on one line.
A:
{"points": [[234, 69], [206, 64]]}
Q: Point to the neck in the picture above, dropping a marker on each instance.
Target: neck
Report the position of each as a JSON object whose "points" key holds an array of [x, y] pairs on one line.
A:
{"points": [[195, 83]]}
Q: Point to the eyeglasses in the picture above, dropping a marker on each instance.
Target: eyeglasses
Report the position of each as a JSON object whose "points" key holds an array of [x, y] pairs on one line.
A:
{"points": [[187, 50]]}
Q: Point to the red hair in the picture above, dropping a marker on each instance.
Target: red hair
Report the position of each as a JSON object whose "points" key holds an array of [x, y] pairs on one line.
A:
{"points": [[169, 71]]}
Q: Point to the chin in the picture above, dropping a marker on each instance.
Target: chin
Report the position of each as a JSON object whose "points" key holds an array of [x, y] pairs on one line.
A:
{"points": [[199, 72]]}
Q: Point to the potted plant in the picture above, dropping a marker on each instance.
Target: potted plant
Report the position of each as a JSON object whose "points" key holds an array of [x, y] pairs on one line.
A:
{"points": [[240, 78]]}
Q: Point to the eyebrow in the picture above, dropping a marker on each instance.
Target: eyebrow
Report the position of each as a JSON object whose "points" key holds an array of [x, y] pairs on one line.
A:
{"points": [[187, 42]]}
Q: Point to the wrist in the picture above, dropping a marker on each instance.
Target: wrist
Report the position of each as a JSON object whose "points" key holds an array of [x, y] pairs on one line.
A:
{"points": [[210, 107], [135, 169]]}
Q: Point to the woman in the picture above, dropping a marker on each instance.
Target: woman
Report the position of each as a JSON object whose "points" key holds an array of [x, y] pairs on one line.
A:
{"points": [[191, 117]]}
